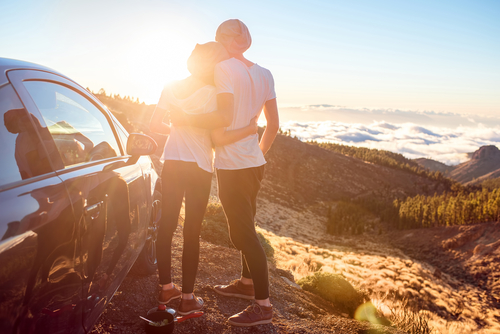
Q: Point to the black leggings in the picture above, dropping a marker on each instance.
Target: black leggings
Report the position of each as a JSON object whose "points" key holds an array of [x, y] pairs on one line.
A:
{"points": [[238, 191], [182, 179]]}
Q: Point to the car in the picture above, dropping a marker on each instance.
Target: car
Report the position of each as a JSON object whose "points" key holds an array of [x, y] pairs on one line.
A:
{"points": [[80, 202]]}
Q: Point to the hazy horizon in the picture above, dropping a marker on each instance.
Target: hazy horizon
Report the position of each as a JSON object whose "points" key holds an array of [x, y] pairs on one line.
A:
{"points": [[445, 137]]}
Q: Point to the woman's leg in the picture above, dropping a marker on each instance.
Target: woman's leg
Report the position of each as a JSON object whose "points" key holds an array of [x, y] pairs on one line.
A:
{"points": [[172, 195], [198, 184]]}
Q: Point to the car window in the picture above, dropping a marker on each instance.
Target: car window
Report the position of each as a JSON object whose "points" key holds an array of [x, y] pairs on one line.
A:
{"points": [[22, 153], [122, 133], [80, 130]]}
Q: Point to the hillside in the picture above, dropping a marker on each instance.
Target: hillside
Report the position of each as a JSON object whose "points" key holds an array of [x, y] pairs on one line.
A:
{"points": [[299, 173], [484, 164], [434, 165], [484, 161]]}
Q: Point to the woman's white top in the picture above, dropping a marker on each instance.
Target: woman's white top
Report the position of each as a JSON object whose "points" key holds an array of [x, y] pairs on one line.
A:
{"points": [[251, 87], [187, 143]]}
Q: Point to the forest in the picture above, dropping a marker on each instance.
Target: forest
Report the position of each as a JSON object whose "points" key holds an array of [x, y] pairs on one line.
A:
{"points": [[467, 206]]}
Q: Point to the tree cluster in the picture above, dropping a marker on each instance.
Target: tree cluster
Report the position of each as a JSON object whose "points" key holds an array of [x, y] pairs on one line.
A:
{"points": [[449, 209], [348, 217], [461, 206]]}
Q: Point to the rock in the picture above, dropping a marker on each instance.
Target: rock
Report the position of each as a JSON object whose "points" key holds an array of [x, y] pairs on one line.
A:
{"points": [[289, 282], [486, 152], [437, 273], [478, 249], [468, 235]]}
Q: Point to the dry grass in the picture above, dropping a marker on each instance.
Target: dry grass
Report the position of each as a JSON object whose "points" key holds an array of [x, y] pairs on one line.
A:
{"points": [[403, 317], [334, 288], [302, 246]]}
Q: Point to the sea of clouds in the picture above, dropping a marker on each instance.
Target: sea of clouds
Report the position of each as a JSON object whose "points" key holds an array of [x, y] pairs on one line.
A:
{"points": [[445, 137]]}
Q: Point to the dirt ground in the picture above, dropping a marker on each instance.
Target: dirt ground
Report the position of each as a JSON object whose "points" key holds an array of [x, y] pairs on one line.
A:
{"points": [[295, 310], [452, 273]]}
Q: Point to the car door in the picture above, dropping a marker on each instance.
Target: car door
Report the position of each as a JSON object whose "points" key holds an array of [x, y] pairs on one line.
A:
{"points": [[100, 183], [40, 273]]}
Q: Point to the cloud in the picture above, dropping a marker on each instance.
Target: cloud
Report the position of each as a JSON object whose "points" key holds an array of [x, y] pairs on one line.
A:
{"points": [[419, 129], [356, 137], [445, 144], [385, 125], [383, 117]]}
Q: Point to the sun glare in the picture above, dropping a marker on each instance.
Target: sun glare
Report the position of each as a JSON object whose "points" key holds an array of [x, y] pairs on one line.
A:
{"points": [[158, 57]]}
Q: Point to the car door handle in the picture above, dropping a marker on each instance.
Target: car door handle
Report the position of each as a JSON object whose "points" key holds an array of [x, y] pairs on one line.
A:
{"points": [[93, 210]]}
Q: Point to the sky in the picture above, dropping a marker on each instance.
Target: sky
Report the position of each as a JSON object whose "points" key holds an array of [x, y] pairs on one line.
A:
{"points": [[362, 62]]}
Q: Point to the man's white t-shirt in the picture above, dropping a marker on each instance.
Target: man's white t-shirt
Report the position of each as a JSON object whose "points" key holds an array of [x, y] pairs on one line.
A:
{"points": [[186, 143], [251, 87]]}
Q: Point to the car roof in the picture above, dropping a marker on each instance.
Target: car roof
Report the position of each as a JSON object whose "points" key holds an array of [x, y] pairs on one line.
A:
{"points": [[7, 64]]}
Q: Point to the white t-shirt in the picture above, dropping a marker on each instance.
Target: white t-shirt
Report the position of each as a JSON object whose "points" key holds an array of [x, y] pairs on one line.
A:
{"points": [[251, 87], [188, 143]]}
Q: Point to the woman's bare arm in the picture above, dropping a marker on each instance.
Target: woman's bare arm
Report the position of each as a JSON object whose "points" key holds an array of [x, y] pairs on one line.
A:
{"points": [[272, 127], [156, 124], [221, 137], [220, 118]]}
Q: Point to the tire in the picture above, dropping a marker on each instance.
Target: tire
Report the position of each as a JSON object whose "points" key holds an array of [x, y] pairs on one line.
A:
{"points": [[146, 262]]}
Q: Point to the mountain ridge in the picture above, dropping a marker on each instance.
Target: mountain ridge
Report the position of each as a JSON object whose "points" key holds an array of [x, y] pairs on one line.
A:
{"points": [[483, 164]]}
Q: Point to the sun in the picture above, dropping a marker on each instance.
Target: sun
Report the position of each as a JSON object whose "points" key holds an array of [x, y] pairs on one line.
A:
{"points": [[156, 58]]}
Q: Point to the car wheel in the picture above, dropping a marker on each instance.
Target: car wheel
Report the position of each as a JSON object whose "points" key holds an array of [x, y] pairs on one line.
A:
{"points": [[146, 263]]}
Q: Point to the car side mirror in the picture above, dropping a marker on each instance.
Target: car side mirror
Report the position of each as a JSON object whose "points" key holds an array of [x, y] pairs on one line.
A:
{"points": [[139, 144]]}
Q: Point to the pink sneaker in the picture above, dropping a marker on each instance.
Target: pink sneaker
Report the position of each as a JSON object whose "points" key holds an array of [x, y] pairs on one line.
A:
{"points": [[188, 306], [165, 296]]}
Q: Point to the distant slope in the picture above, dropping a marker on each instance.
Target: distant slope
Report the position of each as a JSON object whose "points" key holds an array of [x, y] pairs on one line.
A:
{"points": [[299, 172], [495, 175], [434, 165], [484, 161], [484, 164]]}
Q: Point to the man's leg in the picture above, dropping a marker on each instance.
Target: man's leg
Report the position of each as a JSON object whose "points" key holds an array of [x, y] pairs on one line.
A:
{"points": [[237, 191]]}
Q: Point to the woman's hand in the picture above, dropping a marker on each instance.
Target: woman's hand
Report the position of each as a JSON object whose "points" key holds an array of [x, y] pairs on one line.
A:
{"points": [[253, 125]]}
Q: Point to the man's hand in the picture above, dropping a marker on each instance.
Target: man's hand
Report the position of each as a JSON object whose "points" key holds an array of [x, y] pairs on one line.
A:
{"points": [[177, 116]]}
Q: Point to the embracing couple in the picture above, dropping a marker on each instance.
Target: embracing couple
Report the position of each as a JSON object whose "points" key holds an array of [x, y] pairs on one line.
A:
{"points": [[216, 106]]}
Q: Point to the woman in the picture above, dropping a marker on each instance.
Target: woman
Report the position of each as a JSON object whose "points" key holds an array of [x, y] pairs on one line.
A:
{"points": [[187, 169]]}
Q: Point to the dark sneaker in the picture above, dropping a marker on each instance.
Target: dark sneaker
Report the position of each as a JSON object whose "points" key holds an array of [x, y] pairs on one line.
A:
{"points": [[253, 315], [166, 296], [236, 289], [188, 306]]}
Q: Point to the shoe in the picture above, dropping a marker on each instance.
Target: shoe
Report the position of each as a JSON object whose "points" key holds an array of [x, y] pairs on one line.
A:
{"points": [[253, 315], [165, 296], [236, 289], [188, 306]]}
